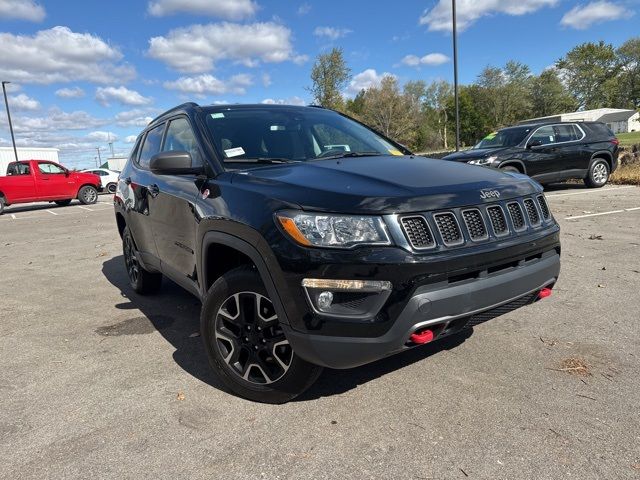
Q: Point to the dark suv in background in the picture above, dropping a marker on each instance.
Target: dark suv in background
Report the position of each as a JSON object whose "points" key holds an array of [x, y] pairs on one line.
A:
{"points": [[312, 241], [549, 152]]}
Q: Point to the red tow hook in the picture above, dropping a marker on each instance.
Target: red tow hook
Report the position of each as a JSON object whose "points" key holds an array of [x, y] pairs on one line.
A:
{"points": [[544, 293], [425, 336]]}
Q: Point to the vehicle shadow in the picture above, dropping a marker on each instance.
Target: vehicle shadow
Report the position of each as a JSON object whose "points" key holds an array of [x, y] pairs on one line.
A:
{"points": [[554, 187], [175, 314]]}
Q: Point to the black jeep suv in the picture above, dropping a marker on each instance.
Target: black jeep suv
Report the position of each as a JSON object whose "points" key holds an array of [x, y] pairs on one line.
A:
{"points": [[312, 241], [549, 152]]}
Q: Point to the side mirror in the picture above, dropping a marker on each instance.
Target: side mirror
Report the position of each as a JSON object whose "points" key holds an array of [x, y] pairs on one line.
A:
{"points": [[173, 163], [534, 143]]}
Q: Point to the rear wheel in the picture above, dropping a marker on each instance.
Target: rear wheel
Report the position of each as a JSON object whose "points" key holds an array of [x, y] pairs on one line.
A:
{"points": [[111, 187], [246, 346], [141, 280], [63, 203], [88, 195], [2, 203], [598, 175]]}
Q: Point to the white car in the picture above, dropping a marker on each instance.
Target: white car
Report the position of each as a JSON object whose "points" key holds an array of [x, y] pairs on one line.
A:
{"points": [[108, 178]]}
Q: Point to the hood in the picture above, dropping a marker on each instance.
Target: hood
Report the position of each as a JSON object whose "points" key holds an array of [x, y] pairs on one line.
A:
{"points": [[385, 184], [474, 154]]}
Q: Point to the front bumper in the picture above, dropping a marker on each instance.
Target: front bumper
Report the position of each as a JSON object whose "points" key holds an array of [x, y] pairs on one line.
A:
{"points": [[445, 307]]}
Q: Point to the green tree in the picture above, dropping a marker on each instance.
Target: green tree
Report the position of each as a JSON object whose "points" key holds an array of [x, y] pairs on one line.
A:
{"points": [[355, 105], [629, 59], [549, 96], [475, 122], [590, 71], [506, 92], [438, 94], [329, 76]]}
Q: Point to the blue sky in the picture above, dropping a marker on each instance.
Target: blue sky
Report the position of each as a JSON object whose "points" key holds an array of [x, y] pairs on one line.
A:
{"points": [[86, 72]]}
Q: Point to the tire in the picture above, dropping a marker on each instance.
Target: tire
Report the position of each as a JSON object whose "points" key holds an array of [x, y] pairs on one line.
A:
{"points": [[63, 203], [88, 195], [142, 281], [111, 188], [2, 205], [245, 345], [598, 175], [510, 169]]}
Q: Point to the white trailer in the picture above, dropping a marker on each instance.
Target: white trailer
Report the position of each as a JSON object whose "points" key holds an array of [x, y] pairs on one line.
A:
{"points": [[7, 155]]}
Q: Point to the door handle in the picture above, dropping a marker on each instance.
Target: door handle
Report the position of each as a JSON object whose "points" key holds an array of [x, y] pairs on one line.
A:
{"points": [[154, 190]]}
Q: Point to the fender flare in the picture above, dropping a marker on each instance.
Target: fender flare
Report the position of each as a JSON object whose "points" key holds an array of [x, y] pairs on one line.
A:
{"points": [[514, 162], [254, 255], [604, 155]]}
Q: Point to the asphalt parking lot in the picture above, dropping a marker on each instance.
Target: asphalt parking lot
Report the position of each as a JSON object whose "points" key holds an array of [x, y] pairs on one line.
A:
{"points": [[98, 382]]}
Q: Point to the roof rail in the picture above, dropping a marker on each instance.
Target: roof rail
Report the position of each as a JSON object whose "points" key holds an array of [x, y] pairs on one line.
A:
{"points": [[179, 107]]}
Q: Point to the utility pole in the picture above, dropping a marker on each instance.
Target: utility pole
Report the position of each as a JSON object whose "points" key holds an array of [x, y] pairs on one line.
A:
{"points": [[99, 159], [6, 103], [110, 143], [455, 74]]}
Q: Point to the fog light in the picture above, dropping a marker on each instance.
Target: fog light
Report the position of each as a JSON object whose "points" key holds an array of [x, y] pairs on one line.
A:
{"points": [[324, 300]]}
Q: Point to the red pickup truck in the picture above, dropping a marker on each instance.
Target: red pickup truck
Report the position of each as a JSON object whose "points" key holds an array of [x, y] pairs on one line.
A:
{"points": [[46, 181]]}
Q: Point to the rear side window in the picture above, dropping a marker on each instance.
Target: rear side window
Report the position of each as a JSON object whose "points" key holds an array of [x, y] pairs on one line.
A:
{"points": [[18, 169], [567, 133], [544, 135], [180, 137], [151, 146], [601, 130]]}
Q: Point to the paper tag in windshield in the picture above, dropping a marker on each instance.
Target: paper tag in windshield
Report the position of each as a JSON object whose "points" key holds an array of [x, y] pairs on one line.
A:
{"points": [[234, 152], [491, 136], [395, 152], [217, 115]]}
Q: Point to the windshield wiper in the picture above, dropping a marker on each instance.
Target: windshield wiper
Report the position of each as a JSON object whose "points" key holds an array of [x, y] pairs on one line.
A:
{"points": [[351, 154], [269, 161]]}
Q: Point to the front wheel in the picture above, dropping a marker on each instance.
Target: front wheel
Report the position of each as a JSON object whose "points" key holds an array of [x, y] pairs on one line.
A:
{"points": [[510, 169], [2, 203], [245, 344], [111, 188], [598, 175], [88, 195]]}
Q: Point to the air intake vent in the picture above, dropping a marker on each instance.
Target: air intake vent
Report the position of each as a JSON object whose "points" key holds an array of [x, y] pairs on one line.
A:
{"points": [[543, 207], [418, 232], [498, 222], [516, 216], [475, 224], [532, 211], [449, 229]]}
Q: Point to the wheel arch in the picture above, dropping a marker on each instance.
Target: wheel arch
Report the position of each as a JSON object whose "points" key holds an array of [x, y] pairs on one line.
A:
{"points": [[121, 222], [514, 163], [236, 252], [604, 155]]}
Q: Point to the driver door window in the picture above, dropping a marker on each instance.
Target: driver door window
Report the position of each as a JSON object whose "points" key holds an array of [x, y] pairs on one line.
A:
{"points": [[50, 169], [180, 137]]}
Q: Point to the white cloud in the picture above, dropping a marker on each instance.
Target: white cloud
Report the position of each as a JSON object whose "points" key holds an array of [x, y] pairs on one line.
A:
{"points": [[23, 102], [469, 11], [332, 33], [431, 59], [130, 139], [121, 95], [582, 16], [75, 92], [60, 55], [366, 79], [209, 85], [266, 79], [137, 117], [228, 9], [304, 9], [295, 100], [104, 137], [197, 48], [55, 120], [22, 10]]}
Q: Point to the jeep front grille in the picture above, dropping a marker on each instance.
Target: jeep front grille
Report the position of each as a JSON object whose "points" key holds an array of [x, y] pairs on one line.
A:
{"points": [[517, 218], [418, 232], [544, 208], [449, 228], [475, 224], [498, 222], [532, 211]]}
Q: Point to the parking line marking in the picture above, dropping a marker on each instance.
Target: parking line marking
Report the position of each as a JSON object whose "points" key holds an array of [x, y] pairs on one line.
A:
{"points": [[588, 191], [84, 208], [13, 215], [603, 213], [52, 213]]}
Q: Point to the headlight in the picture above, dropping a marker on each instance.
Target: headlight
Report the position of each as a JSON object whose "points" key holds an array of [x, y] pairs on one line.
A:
{"points": [[483, 161], [333, 231]]}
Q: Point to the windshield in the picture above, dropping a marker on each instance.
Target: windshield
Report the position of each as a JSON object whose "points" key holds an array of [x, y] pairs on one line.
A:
{"points": [[509, 137], [282, 135]]}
